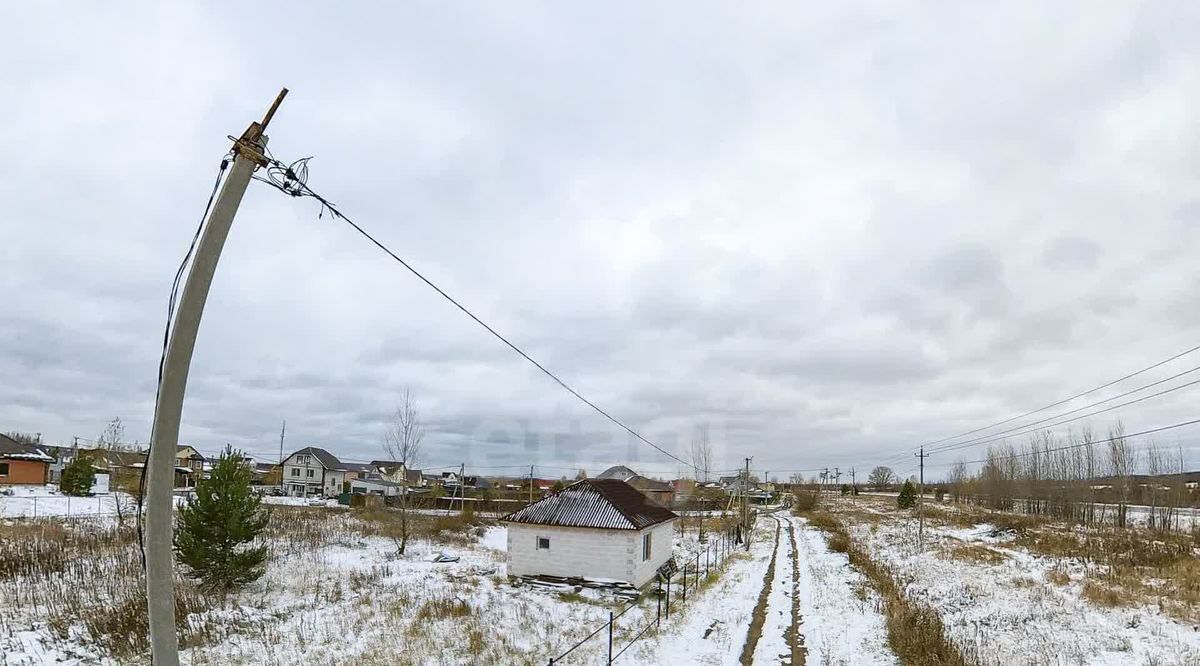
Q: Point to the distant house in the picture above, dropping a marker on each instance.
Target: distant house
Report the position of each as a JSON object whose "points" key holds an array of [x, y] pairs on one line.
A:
{"points": [[737, 485], [659, 491], [315, 472], [684, 488], [23, 464], [124, 468], [63, 455], [451, 482], [594, 528], [266, 474], [376, 486], [396, 472], [189, 466]]}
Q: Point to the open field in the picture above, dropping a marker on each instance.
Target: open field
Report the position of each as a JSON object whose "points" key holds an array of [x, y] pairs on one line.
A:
{"points": [[1014, 589], [336, 592]]}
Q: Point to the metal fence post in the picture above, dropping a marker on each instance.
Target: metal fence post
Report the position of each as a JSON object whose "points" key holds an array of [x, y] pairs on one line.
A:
{"points": [[658, 613], [610, 632], [667, 599], [683, 592], [35, 507]]}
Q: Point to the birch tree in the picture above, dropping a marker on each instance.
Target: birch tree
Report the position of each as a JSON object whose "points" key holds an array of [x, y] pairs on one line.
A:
{"points": [[402, 443]]}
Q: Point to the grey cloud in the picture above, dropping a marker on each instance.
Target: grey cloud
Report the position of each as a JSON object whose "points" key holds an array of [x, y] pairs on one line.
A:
{"points": [[827, 232], [1071, 253]]}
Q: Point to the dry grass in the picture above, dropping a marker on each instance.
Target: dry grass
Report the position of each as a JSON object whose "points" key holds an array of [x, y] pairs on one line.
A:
{"points": [[441, 609], [804, 501], [1058, 576], [85, 579], [1103, 595], [976, 554], [915, 631], [1129, 567]]}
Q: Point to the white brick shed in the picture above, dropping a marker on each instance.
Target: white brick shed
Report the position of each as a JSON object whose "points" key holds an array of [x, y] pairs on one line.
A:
{"points": [[595, 528]]}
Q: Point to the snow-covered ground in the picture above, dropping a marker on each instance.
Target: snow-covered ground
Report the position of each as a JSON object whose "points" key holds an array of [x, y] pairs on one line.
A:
{"points": [[841, 623], [712, 627], [1001, 606], [348, 598]]}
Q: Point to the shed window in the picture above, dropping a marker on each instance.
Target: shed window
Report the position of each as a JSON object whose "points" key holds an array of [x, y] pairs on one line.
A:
{"points": [[543, 543], [646, 543], [4, 472]]}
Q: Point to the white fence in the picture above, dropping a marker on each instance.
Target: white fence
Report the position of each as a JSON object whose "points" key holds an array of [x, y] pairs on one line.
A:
{"points": [[46, 506]]}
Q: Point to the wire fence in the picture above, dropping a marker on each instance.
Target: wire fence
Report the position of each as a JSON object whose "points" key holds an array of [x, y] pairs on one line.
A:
{"points": [[64, 506], [671, 592]]}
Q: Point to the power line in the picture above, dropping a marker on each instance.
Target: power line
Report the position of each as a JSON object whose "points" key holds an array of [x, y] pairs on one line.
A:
{"points": [[291, 180], [1073, 419], [972, 442], [1072, 446], [1065, 400]]}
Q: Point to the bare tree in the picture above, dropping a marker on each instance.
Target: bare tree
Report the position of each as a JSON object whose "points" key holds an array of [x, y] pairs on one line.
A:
{"points": [[958, 480], [402, 443], [881, 477], [113, 437], [702, 454], [1121, 463], [25, 438]]}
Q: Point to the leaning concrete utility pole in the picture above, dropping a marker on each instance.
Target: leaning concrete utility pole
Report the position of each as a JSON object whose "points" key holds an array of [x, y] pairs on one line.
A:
{"points": [[160, 580]]}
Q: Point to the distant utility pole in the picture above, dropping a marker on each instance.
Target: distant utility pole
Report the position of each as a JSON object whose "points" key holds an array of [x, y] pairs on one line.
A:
{"points": [[160, 468], [837, 478], [531, 484], [462, 486], [853, 484], [921, 500], [746, 506], [281, 433]]}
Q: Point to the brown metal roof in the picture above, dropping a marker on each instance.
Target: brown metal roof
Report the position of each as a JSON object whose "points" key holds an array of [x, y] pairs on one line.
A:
{"points": [[601, 503]]}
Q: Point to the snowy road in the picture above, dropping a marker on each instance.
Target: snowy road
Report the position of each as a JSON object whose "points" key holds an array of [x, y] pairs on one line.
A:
{"points": [[819, 610], [782, 640]]}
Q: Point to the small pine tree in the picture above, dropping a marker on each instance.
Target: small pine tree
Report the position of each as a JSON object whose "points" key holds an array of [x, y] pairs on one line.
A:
{"points": [[557, 487], [908, 496], [214, 527], [845, 490], [78, 477]]}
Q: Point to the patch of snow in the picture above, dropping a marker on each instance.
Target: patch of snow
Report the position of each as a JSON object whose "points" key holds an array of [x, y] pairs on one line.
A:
{"points": [[495, 537]]}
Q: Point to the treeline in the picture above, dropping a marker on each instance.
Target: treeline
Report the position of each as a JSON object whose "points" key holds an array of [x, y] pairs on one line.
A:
{"points": [[1080, 478]]}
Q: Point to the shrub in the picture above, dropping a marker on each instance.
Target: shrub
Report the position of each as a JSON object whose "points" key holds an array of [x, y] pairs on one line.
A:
{"points": [[78, 477], [908, 496], [804, 501], [213, 528]]}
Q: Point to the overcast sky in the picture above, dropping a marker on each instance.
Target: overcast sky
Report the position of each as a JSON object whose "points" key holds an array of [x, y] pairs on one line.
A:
{"points": [[829, 232]]}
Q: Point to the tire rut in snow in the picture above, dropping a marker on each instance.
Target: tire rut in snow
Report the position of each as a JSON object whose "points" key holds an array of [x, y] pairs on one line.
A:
{"points": [[759, 616], [795, 639]]}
